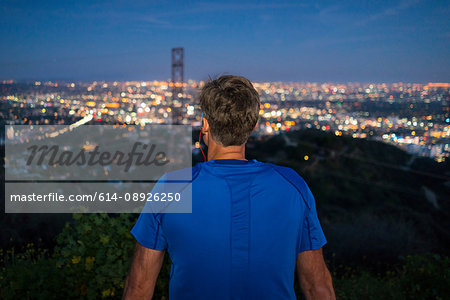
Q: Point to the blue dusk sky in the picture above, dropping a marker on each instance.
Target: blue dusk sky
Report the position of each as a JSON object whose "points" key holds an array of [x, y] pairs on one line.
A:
{"points": [[337, 41]]}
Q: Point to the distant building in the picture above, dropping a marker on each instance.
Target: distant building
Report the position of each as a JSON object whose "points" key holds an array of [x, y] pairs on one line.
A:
{"points": [[177, 84]]}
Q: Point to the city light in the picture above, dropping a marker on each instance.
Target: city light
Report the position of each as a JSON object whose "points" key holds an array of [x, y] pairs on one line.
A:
{"points": [[413, 117]]}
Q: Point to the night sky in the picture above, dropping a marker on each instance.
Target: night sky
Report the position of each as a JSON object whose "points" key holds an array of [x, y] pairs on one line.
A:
{"points": [[337, 41]]}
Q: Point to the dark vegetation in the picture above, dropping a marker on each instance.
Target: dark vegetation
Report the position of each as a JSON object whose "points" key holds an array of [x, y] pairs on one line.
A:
{"points": [[387, 238], [370, 196]]}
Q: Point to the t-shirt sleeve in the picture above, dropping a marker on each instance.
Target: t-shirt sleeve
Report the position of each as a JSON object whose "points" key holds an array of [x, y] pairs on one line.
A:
{"points": [[148, 232], [311, 235]]}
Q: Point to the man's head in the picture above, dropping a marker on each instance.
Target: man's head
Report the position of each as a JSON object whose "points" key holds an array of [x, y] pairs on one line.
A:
{"points": [[230, 104]]}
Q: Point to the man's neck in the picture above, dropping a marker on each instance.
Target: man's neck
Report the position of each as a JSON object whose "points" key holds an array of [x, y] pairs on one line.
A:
{"points": [[230, 152]]}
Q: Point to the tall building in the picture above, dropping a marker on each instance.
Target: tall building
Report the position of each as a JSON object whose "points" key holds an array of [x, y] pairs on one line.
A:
{"points": [[177, 84]]}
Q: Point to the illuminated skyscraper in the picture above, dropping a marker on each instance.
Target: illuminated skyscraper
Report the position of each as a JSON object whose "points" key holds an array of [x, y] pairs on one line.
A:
{"points": [[177, 84]]}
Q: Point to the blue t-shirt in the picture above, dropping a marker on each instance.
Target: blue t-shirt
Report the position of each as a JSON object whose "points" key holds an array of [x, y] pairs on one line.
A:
{"points": [[249, 222]]}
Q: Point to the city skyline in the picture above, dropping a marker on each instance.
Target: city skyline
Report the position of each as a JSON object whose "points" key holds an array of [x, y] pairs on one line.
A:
{"points": [[413, 117], [401, 41]]}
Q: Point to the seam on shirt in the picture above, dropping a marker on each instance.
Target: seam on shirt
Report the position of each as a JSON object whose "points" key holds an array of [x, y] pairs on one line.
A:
{"points": [[309, 232], [306, 211], [253, 164], [291, 183], [230, 237], [156, 216], [156, 235], [249, 223], [249, 229], [195, 176]]}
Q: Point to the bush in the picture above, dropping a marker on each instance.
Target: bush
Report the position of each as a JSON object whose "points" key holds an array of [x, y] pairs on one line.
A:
{"points": [[93, 256], [94, 253], [420, 277], [425, 277], [30, 275], [365, 285], [91, 260]]}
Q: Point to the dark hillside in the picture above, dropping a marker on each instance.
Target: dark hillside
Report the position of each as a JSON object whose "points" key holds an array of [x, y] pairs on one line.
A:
{"points": [[375, 201]]}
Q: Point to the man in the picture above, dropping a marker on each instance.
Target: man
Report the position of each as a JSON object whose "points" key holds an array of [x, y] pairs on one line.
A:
{"points": [[252, 223]]}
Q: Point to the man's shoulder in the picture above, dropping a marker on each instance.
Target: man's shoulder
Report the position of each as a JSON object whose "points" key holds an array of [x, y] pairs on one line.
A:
{"points": [[290, 175], [294, 180], [186, 174]]}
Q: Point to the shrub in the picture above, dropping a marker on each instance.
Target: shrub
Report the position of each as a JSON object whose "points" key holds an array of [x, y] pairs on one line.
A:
{"points": [[420, 277], [93, 255], [91, 260], [365, 285], [425, 277]]}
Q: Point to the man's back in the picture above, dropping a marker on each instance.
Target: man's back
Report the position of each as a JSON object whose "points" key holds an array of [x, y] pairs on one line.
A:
{"points": [[249, 222]]}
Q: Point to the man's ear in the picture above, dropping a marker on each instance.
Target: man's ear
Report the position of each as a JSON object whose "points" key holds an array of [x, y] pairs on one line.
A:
{"points": [[255, 126], [205, 127]]}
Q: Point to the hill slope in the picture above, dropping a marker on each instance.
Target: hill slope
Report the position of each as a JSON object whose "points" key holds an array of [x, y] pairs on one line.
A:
{"points": [[375, 201]]}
